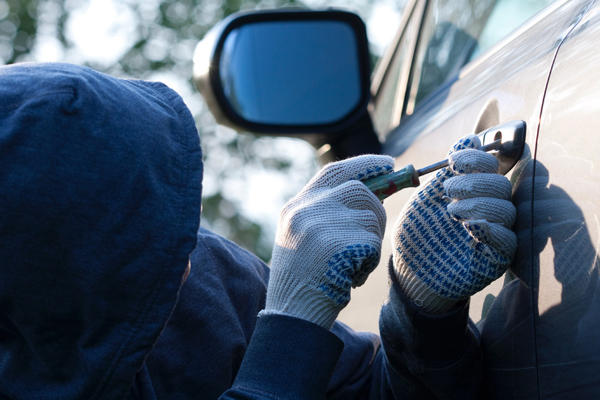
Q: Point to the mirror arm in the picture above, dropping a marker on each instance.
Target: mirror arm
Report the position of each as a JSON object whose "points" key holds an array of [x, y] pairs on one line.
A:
{"points": [[359, 138]]}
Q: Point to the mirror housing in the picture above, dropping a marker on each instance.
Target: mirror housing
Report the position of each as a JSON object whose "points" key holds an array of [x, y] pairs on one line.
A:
{"points": [[288, 72]]}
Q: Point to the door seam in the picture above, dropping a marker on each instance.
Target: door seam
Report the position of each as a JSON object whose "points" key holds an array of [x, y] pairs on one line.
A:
{"points": [[534, 298]]}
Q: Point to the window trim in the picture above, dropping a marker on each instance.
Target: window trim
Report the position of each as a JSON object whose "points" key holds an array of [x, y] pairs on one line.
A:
{"points": [[414, 12], [402, 103], [540, 15], [411, 93], [383, 66]]}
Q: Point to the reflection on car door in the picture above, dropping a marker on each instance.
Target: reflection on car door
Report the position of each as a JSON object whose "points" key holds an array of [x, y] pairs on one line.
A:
{"points": [[506, 82], [566, 215]]}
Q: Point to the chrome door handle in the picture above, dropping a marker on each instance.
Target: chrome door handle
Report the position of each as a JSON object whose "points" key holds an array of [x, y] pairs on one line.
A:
{"points": [[512, 142]]}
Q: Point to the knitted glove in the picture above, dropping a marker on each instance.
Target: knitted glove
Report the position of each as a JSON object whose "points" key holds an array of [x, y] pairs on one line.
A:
{"points": [[454, 238], [328, 240]]}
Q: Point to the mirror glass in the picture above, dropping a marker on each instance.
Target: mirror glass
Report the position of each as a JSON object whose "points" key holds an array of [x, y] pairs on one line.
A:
{"points": [[291, 72]]}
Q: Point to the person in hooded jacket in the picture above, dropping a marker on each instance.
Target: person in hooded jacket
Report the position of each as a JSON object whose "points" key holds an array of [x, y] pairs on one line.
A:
{"points": [[101, 187], [452, 239]]}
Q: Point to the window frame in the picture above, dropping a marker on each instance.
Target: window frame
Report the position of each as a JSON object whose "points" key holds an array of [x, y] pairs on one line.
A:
{"points": [[415, 70], [414, 11], [404, 95]]}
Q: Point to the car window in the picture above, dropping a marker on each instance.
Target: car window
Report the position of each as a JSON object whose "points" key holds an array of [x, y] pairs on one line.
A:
{"points": [[390, 95], [386, 99], [506, 16], [457, 31]]}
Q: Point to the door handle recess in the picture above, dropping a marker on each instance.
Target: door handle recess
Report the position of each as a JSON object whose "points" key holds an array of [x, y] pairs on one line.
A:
{"points": [[512, 142]]}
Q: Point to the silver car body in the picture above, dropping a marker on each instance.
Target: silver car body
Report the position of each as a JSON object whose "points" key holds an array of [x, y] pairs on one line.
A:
{"points": [[539, 322]]}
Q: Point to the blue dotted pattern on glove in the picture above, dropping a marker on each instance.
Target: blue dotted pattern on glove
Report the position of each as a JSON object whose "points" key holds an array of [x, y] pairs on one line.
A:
{"points": [[373, 172], [349, 268], [438, 249]]}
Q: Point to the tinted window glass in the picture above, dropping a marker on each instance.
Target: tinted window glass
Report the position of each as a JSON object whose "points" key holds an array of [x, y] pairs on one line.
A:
{"points": [[390, 96], [455, 32], [384, 109], [506, 16]]}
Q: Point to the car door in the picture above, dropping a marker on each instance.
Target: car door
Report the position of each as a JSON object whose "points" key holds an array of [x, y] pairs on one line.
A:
{"points": [[473, 65], [566, 219]]}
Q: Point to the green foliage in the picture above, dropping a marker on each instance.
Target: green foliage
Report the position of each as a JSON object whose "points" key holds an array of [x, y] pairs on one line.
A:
{"points": [[246, 232], [160, 42], [18, 28], [166, 33]]}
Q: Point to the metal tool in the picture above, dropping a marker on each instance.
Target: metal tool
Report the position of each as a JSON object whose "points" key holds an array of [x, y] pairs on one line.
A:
{"points": [[506, 142]]}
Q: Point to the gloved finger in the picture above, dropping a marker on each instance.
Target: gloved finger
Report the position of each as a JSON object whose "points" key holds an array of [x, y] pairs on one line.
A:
{"points": [[494, 235], [351, 266], [355, 195], [370, 260], [478, 185], [355, 168], [484, 208], [368, 265], [469, 161], [489, 267], [364, 220], [467, 142]]}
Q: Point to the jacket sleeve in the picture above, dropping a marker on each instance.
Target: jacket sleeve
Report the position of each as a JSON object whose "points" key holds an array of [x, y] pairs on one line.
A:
{"points": [[415, 361], [422, 357], [428, 356], [287, 358]]}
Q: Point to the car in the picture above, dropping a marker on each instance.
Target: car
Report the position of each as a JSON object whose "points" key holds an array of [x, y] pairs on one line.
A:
{"points": [[454, 68]]}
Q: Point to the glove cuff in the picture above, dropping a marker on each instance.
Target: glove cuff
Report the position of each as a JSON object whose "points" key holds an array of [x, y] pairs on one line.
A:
{"points": [[307, 303], [421, 294]]}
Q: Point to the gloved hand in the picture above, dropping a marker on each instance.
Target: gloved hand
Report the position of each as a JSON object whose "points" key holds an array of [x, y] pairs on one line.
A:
{"points": [[453, 237], [328, 240]]}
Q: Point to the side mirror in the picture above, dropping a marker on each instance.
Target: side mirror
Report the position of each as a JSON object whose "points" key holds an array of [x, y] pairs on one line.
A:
{"points": [[287, 72]]}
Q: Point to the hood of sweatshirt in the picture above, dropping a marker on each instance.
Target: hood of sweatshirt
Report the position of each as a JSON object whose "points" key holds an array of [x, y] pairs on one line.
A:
{"points": [[100, 186]]}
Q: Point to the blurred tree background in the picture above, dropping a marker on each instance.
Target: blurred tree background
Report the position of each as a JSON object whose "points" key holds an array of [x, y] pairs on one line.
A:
{"points": [[246, 178]]}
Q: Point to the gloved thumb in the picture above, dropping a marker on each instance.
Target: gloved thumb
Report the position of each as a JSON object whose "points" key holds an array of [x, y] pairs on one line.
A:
{"points": [[495, 235], [354, 168]]}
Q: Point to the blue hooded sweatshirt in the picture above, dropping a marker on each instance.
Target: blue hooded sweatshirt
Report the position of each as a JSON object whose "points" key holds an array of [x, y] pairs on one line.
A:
{"points": [[100, 205], [100, 201]]}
